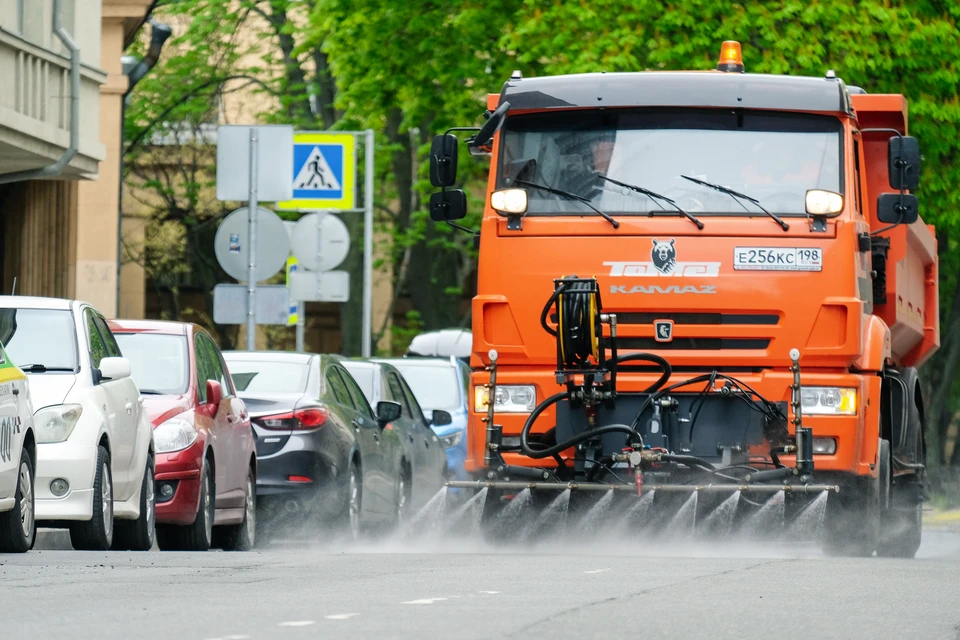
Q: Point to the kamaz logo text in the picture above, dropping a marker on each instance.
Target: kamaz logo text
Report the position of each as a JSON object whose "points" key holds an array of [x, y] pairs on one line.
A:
{"points": [[654, 288], [650, 270]]}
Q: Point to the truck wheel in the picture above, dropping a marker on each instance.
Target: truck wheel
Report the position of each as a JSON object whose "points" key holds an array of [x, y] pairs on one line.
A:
{"points": [[96, 534], [851, 525], [902, 524], [18, 526], [138, 535]]}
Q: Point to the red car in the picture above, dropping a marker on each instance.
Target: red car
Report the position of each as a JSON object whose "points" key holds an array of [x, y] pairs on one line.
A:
{"points": [[206, 466]]}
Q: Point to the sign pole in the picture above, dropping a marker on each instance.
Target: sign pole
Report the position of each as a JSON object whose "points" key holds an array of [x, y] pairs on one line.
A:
{"points": [[301, 325], [252, 206], [367, 323]]}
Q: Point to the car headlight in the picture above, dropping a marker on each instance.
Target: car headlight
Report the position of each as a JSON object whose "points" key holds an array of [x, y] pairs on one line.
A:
{"points": [[517, 398], [451, 440], [828, 401], [55, 424], [174, 435]]}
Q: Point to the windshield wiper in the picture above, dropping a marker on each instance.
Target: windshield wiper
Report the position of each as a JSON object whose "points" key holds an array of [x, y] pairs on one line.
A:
{"points": [[736, 196], [572, 196], [41, 368], [653, 196]]}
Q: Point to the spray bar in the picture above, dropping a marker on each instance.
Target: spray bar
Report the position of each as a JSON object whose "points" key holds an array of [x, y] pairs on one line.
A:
{"points": [[679, 488]]}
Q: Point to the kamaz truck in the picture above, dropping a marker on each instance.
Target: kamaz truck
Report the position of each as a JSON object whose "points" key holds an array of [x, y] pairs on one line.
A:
{"points": [[701, 282]]}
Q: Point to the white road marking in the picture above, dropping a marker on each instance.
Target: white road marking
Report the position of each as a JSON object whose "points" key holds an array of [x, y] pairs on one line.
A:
{"points": [[235, 637], [296, 623], [490, 592], [597, 571], [340, 616], [424, 601]]}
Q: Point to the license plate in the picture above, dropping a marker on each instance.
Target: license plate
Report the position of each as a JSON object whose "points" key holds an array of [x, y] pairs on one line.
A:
{"points": [[778, 259]]}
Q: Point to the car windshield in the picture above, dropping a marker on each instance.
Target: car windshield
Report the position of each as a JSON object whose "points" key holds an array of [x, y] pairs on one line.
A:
{"points": [[364, 376], [435, 387], [158, 363], [772, 157], [253, 376], [45, 338]]}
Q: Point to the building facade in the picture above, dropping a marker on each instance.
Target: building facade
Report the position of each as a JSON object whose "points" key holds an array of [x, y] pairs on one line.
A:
{"points": [[60, 145]]}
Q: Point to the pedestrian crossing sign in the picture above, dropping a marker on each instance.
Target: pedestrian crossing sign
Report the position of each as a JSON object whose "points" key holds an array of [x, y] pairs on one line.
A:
{"points": [[324, 172]]}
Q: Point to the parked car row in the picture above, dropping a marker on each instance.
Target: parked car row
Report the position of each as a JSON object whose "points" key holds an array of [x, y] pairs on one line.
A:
{"points": [[129, 433]]}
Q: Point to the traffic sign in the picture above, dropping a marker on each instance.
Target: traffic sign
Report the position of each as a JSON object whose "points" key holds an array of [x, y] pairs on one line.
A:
{"points": [[294, 311], [273, 162], [230, 304], [324, 172], [320, 286], [326, 252], [231, 244]]}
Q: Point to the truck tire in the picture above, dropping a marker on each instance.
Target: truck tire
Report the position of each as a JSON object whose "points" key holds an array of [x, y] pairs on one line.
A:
{"points": [[902, 524], [18, 526], [851, 525], [138, 535], [96, 534]]}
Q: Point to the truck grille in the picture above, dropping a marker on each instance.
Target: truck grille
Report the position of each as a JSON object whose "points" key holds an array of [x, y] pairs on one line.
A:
{"points": [[693, 344]]}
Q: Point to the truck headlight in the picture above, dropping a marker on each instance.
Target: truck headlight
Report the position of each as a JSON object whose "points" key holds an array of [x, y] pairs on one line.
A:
{"points": [[828, 401], [510, 398], [55, 424], [175, 434], [451, 440]]}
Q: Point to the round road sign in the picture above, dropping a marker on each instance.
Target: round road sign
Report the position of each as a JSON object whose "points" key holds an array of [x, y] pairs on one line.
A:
{"points": [[334, 243], [231, 244]]}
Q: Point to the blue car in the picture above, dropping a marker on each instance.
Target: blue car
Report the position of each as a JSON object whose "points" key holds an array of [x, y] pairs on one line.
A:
{"points": [[441, 385]]}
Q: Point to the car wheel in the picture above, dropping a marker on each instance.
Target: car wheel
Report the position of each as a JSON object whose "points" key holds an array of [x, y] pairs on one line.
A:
{"points": [[354, 502], [242, 537], [139, 534], [18, 526], [199, 535], [402, 504], [96, 534]]}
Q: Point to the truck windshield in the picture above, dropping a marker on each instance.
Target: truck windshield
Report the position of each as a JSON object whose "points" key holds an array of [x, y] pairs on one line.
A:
{"points": [[773, 157]]}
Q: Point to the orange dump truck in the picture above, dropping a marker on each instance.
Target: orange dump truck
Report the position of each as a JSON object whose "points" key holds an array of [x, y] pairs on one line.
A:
{"points": [[702, 282]]}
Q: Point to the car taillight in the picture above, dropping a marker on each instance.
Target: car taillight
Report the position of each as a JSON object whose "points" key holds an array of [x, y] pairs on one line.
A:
{"points": [[311, 418], [298, 420]]}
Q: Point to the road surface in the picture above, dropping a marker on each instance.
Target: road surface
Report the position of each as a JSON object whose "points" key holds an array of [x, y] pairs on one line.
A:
{"points": [[465, 590]]}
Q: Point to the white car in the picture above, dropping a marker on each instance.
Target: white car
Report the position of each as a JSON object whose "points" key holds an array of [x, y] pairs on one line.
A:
{"points": [[95, 452], [18, 455]]}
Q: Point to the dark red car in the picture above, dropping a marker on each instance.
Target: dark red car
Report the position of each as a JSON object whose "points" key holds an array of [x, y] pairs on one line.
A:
{"points": [[206, 466]]}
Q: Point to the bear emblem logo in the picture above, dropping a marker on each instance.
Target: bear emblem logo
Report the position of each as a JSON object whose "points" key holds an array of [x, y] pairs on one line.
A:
{"points": [[664, 256]]}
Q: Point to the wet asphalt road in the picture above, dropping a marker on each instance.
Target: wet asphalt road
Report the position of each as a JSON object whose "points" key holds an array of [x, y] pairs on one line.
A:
{"points": [[464, 590]]}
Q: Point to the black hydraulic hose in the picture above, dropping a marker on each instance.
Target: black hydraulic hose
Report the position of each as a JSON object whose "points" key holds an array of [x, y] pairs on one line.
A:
{"points": [[563, 446], [655, 359], [690, 461]]}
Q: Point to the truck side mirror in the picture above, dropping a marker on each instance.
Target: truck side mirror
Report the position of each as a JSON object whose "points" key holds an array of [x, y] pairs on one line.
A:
{"points": [[903, 154], [448, 205], [443, 160], [896, 208]]}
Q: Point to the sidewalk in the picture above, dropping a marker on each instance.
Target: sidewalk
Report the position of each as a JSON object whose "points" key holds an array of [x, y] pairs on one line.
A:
{"points": [[942, 520]]}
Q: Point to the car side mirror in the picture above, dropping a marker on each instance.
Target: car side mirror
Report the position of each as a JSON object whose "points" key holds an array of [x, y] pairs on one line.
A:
{"points": [[903, 154], [114, 368], [448, 205], [443, 160], [214, 394], [441, 418], [895, 208], [387, 411]]}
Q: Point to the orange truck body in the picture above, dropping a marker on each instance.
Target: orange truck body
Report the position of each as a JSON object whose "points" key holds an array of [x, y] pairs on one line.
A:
{"points": [[846, 337]]}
